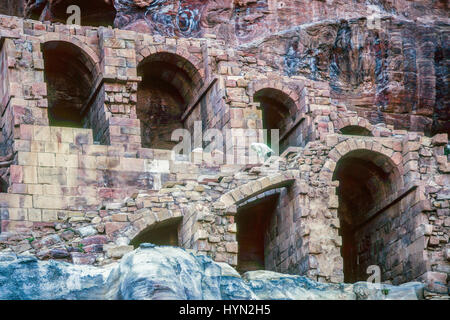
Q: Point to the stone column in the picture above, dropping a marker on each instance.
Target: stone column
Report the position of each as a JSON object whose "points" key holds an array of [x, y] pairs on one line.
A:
{"points": [[122, 127]]}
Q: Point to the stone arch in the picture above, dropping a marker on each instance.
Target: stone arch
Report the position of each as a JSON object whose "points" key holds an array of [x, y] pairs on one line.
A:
{"points": [[280, 105], [288, 89], [170, 83], [192, 63], [90, 56], [231, 199], [370, 197], [353, 125], [387, 157], [160, 227], [72, 74]]}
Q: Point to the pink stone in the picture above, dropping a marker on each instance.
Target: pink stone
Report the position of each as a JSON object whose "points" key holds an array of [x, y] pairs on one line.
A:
{"points": [[111, 227]]}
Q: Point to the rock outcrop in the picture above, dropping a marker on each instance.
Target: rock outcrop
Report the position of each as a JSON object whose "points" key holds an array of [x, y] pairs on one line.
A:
{"points": [[157, 273]]}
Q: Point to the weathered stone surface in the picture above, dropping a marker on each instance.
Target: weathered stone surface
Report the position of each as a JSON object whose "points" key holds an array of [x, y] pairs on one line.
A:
{"points": [[118, 252], [176, 274], [86, 231]]}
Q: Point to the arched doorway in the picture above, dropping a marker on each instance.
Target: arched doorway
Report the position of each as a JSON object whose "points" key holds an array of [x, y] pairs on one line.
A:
{"points": [[253, 222], [267, 216], [70, 76], [278, 113], [367, 180], [163, 233], [169, 84]]}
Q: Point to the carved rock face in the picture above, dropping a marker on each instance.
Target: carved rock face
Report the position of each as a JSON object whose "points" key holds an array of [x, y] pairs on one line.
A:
{"points": [[392, 73]]}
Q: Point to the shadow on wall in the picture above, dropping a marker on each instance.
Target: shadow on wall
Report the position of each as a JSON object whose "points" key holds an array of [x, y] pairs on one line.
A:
{"points": [[3, 186], [356, 131]]}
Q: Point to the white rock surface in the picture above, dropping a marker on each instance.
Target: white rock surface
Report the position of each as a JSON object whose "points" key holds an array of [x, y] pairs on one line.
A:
{"points": [[151, 272]]}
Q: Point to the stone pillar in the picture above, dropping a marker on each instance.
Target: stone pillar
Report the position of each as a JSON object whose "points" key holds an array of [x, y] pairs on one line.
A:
{"points": [[324, 242], [24, 90], [122, 127]]}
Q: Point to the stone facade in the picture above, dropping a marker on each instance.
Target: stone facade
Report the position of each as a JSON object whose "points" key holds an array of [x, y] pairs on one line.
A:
{"points": [[348, 190]]}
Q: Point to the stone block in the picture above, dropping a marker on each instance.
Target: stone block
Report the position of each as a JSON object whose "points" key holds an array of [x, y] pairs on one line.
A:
{"points": [[231, 247], [343, 148], [27, 158], [333, 201], [119, 217], [9, 200], [232, 228], [62, 134], [117, 252], [46, 159], [52, 175], [86, 231], [35, 215], [41, 133], [331, 140], [66, 160], [49, 215], [82, 258], [87, 162], [112, 227], [200, 235], [16, 214], [49, 202], [440, 139]]}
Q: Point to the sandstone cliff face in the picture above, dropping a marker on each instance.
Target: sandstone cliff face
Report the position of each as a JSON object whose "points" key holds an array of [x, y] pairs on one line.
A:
{"points": [[393, 74], [159, 273], [245, 20]]}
